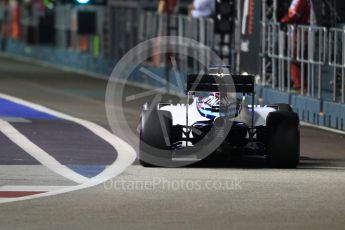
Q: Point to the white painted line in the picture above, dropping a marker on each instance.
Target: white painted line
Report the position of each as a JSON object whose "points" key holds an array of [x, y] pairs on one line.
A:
{"points": [[323, 128], [15, 119], [4, 200], [320, 168], [125, 153], [39, 154], [36, 188]]}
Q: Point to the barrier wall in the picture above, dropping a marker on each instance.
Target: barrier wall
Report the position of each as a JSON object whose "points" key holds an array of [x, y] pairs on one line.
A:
{"points": [[84, 62], [334, 115], [62, 57]]}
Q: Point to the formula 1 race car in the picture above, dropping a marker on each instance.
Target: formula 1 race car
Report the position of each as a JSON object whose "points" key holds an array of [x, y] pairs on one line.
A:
{"points": [[218, 120]]}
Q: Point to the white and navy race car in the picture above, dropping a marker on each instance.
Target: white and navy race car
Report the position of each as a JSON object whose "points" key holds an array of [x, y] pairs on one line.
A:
{"points": [[217, 120]]}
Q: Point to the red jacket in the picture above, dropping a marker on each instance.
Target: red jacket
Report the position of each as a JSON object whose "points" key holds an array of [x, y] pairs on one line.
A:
{"points": [[299, 12], [172, 5]]}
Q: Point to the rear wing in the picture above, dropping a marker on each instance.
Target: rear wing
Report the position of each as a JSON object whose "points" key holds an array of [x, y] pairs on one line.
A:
{"points": [[220, 83]]}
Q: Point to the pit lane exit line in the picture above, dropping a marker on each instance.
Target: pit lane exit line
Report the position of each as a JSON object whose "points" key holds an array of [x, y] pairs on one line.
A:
{"points": [[125, 153], [39, 154]]}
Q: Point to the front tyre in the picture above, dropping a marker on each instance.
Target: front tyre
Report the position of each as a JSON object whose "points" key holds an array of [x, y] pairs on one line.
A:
{"points": [[283, 139]]}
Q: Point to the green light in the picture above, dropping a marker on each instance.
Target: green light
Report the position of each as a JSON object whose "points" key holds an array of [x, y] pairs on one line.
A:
{"points": [[83, 1]]}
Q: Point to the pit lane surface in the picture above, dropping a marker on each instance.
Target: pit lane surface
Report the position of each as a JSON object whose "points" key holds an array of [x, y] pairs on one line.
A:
{"points": [[245, 195]]}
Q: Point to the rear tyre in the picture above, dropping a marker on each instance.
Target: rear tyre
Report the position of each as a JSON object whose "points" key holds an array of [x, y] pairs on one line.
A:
{"points": [[283, 139], [155, 138]]}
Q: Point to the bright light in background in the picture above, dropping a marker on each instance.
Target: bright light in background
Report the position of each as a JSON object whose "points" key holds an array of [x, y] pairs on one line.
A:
{"points": [[83, 1]]}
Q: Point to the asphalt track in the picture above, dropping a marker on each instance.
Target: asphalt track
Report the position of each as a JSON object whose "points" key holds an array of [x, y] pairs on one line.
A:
{"points": [[219, 194]]}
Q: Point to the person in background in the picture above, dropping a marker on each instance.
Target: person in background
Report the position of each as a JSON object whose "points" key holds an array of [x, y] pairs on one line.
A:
{"points": [[202, 8], [299, 14], [15, 20], [167, 5]]}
